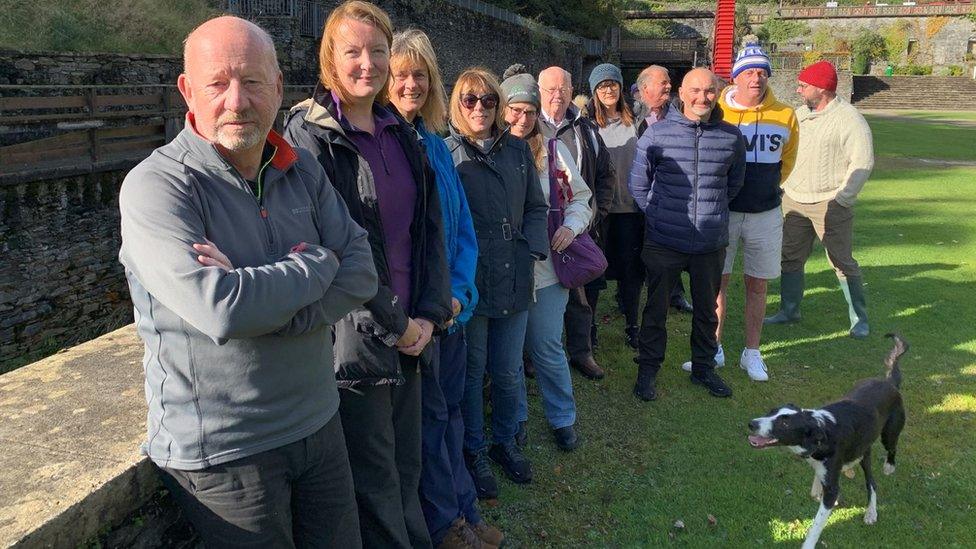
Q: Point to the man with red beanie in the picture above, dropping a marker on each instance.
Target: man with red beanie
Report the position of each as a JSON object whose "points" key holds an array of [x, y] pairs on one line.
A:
{"points": [[833, 163]]}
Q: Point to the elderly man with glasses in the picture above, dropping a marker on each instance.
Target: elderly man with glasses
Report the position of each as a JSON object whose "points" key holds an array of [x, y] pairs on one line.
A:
{"points": [[561, 119]]}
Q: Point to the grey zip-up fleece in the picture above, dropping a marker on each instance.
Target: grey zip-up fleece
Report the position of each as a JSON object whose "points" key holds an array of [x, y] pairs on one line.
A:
{"points": [[237, 362]]}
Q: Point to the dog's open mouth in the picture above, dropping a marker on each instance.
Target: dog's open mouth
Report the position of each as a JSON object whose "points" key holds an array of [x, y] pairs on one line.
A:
{"points": [[757, 441]]}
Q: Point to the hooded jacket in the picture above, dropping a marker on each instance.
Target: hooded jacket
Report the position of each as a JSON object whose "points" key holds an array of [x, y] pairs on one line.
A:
{"points": [[685, 173], [510, 217], [771, 136], [365, 340], [237, 362]]}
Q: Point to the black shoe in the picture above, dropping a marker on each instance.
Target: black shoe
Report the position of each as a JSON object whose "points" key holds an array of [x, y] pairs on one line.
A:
{"points": [[528, 367], [681, 304], [484, 479], [566, 438], [510, 458], [594, 342], [711, 381], [522, 436], [646, 386], [633, 333]]}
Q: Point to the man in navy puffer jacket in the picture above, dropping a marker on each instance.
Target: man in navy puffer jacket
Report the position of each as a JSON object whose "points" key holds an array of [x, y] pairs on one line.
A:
{"points": [[687, 169]]}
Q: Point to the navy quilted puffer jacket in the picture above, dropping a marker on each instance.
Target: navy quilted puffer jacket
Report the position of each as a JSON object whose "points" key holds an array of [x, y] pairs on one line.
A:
{"points": [[684, 175]]}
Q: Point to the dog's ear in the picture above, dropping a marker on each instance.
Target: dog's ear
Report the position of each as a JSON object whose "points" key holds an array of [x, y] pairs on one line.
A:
{"points": [[815, 438]]}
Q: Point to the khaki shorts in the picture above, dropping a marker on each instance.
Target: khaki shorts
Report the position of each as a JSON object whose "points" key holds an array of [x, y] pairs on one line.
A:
{"points": [[761, 235]]}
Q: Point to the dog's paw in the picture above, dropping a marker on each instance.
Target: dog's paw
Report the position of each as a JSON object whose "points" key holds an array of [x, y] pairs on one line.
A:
{"points": [[871, 515], [849, 473], [889, 468]]}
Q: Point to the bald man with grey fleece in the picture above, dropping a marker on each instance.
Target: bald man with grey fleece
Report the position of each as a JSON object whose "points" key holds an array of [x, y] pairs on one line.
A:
{"points": [[239, 256]]}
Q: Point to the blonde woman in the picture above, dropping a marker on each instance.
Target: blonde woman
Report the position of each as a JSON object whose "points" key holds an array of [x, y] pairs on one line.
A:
{"points": [[544, 334], [509, 212], [447, 494], [374, 160]]}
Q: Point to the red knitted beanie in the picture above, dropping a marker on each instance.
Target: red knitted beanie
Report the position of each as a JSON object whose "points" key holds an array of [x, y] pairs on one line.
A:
{"points": [[820, 74]]}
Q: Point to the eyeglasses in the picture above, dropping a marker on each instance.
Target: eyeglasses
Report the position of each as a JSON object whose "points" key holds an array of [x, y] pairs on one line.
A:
{"points": [[519, 112], [488, 100], [560, 90], [608, 85]]}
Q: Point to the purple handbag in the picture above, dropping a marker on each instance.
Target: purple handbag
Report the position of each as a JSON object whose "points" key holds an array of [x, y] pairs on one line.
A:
{"points": [[582, 261]]}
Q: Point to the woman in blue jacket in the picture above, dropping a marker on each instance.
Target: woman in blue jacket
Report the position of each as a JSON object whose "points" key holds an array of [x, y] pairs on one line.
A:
{"points": [[447, 494]]}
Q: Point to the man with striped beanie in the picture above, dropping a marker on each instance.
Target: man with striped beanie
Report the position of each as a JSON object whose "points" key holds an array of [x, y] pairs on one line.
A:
{"points": [[770, 131]]}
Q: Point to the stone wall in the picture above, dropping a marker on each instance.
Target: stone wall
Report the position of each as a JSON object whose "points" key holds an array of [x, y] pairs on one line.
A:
{"points": [[60, 281], [59, 68]]}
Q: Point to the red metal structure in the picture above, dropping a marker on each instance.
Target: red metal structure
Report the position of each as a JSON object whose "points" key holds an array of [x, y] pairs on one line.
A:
{"points": [[723, 39]]}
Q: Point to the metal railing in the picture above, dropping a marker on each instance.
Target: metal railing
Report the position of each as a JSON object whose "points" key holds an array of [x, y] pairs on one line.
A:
{"points": [[823, 12]]}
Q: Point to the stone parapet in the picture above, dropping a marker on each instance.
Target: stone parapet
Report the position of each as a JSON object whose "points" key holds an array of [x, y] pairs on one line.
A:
{"points": [[70, 429]]}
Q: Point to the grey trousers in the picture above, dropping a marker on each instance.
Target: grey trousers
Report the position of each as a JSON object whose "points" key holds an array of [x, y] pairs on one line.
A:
{"points": [[298, 495]]}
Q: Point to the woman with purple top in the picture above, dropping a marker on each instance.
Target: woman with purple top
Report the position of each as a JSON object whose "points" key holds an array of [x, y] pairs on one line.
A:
{"points": [[447, 493], [374, 160]]}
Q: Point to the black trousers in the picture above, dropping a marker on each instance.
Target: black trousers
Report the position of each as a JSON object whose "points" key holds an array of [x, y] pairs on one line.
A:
{"points": [[578, 318], [383, 430], [624, 241], [298, 495], [705, 273]]}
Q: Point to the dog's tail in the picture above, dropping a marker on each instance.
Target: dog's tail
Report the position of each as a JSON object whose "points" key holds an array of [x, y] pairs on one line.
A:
{"points": [[891, 361]]}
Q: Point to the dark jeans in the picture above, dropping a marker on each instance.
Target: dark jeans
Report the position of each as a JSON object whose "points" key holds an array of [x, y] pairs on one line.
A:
{"points": [[579, 316], [705, 273], [446, 489], [624, 240], [298, 495], [382, 426]]}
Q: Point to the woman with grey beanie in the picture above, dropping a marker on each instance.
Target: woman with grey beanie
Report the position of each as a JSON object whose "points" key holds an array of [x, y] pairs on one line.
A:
{"points": [[624, 225], [544, 332]]}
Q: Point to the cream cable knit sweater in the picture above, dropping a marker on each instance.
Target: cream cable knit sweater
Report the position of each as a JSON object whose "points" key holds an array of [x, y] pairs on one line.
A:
{"points": [[835, 155]]}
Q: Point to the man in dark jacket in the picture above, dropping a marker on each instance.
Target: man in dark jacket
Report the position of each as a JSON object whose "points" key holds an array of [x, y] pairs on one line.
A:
{"points": [[687, 169], [560, 118]]}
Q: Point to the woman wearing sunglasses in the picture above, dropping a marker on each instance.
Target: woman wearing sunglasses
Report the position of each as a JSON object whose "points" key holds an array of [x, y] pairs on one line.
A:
{"points": [[544, 334], [447, 494], [373, 158], [509, 211], [623, 229]]}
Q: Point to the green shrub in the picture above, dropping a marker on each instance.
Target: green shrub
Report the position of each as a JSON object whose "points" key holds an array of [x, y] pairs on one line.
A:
{"points": [[955, 70], [777, 31], [913, 70], [860, 64]]}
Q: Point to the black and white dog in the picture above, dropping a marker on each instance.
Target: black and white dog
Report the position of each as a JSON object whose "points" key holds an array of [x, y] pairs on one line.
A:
{"points": [[838, 436]]}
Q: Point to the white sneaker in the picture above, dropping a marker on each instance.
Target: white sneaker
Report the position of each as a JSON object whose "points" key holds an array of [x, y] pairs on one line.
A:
{"points": [[752, 362], [719, 360]]}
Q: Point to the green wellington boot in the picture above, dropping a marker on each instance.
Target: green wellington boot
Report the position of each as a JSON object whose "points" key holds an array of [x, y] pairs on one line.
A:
{"points": [[791, 292], [853, 288]]}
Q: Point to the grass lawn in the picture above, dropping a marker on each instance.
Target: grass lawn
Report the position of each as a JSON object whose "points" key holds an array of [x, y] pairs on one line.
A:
{"points": [[644, 466]]}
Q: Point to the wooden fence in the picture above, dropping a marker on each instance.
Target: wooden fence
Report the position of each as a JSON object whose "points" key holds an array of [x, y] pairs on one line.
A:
{"points": [[58, 131]]}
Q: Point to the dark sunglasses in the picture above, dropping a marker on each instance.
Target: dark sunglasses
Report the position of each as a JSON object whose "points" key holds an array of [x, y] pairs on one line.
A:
{"points": [[488, 100]]}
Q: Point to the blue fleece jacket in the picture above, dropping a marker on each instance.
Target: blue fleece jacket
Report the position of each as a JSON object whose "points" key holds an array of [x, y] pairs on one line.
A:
{"points": [[462, 245]]}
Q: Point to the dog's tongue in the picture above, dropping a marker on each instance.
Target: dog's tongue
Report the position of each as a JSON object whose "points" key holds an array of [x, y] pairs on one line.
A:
{"points": [[757, 441]]}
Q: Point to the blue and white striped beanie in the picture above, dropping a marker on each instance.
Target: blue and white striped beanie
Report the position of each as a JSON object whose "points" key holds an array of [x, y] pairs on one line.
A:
{"points": [[752, 56]]}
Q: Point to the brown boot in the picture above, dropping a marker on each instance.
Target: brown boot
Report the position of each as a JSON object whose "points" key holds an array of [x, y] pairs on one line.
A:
{"points": [[461, 536], [588, 367], [489, 535]]}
